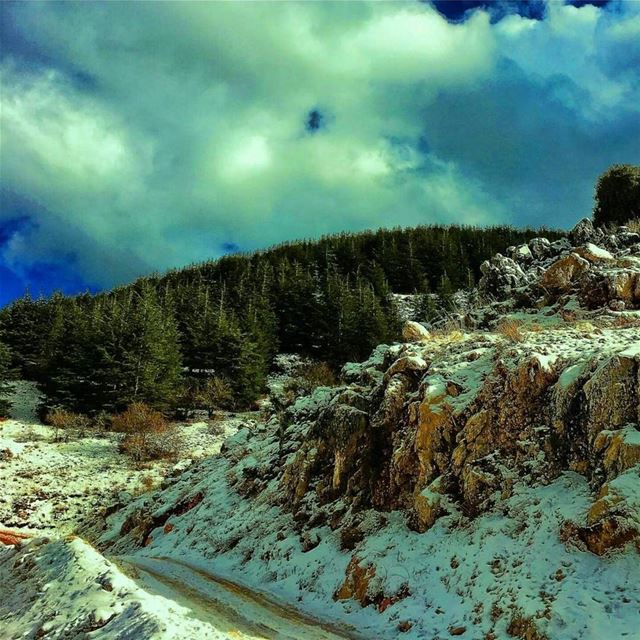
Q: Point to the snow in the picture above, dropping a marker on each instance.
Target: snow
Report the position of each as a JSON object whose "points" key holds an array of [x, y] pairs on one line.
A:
{"points": [[199, 528], [598, 252], [39, 579], [62, 486], [571, 374], [473, 573], [456, 573]]}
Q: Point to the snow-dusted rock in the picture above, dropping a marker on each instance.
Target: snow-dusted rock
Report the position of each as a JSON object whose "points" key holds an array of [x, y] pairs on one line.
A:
{"points": [[414, 332], [561, 275], [593, 253], [584, 232], [500, 276]]}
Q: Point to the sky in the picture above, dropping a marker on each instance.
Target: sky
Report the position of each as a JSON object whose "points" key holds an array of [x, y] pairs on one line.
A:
{"points": [[137, 137]]}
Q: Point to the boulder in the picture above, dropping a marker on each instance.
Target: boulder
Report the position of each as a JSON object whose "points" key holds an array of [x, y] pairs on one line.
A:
{"points": [[435, 433], [593, 253], [611, 395], [501, 276], [521, 253], [414, 332], [540, 248], [619, 450], [563, 273], [613, 520], [584, 232], [356, 582], [406, 364], [427, 506]]}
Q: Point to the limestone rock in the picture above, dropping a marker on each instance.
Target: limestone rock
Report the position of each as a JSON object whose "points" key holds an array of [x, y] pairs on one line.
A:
{"points": [[620, 450], [562, 274], [614, 518], [427, 506], [540, 248], [407, 364], [356, 582], [414, 332], [583, 232], [611, 395], [593, 253], [501, 276]]}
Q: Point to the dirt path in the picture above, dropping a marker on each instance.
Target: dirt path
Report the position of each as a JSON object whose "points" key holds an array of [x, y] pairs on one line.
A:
{"points": [[226, 606]]}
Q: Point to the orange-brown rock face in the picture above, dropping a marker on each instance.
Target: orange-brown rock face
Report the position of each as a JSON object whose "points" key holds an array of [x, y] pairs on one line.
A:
{"points": [[611, 395], [435, 434], [619, 450], [613, 520], [356, 583], [561, 275], [457, 420]]}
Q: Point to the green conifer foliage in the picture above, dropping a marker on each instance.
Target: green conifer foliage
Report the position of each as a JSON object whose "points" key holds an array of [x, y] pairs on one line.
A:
{"points": [[329, 299]]}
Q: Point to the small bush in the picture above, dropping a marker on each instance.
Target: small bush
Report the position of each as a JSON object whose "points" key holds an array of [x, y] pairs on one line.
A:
{"points": [[147, 434], [147, 482], [634, 225], [208, 395], [510, 329], [310, 376], [216, 393], [216, 424], [617, 198], [67, 421]]}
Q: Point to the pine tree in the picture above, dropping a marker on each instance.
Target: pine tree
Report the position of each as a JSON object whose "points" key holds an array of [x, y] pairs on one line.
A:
{"points": [[5, 361], [152, 362]]}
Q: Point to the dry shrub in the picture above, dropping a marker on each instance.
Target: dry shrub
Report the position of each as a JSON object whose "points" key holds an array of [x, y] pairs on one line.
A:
{"points": [[634, 225], [626, 321], [147, 434], [146, 484], [536, 327], [510, 329], [447, 335], [216, 393], [584, 326], [209, 394], [309, 376], [67, 421], [216, 424], [318, 374]]}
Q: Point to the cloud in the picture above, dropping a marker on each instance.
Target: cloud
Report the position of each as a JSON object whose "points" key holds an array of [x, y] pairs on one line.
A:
{"points": [[148, 135]]}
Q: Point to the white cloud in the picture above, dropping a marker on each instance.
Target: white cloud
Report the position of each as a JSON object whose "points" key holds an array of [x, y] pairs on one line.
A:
{"points": [[154, 133]]}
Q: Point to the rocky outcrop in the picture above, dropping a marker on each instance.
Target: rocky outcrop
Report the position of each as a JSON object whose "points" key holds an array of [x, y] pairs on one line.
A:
{"points": [[425, 435], [602, 270], [501, 276]]}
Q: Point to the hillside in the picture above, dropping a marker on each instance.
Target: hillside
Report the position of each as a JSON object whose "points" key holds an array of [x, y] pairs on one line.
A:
{"points": [[470, 483], [162, 338], [479, 481]]}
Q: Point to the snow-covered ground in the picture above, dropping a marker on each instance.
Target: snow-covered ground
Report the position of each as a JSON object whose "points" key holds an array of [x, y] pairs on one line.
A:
{"points": [[59, 586], [64, 589], [57, 486], [506, 573], [469, 575]]}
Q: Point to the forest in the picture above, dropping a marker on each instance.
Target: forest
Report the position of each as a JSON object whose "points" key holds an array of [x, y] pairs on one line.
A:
{"points": [[206, 335]]}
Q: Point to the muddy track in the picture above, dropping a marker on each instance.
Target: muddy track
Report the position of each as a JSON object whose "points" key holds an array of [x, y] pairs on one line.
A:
{"points": [[227, 606]]}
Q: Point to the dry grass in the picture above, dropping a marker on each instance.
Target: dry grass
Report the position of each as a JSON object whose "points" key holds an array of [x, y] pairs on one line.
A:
{"points": [[622, 322], [511, 329], [634, 225]]}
